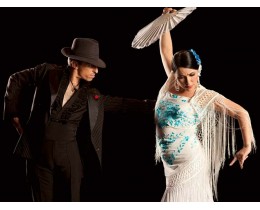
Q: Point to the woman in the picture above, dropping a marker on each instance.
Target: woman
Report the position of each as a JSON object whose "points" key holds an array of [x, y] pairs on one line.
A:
{"points": [[193, 127]]}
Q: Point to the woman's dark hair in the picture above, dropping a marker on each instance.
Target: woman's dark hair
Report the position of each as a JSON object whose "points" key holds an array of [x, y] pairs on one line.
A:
{"points": [[185, 59]]}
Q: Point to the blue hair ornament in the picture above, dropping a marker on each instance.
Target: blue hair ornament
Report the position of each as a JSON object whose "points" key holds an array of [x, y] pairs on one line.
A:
{"points": [[197, 57]]}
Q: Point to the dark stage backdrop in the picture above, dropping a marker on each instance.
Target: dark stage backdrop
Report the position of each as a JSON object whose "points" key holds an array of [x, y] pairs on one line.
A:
{"points": [[227, 40]]}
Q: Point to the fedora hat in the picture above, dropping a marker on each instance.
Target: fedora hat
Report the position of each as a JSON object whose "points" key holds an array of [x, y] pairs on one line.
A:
{"points": [[86, 50]]}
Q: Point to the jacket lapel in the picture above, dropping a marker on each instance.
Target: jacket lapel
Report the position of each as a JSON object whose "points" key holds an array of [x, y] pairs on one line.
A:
{"points": [[93, 109], [55, 79]]}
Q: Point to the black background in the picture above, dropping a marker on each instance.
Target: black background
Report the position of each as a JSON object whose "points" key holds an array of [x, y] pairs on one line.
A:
{"points": [[227, 40]]}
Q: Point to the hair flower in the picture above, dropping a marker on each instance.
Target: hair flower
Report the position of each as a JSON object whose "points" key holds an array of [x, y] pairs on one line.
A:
{"points": [[197, 57]]}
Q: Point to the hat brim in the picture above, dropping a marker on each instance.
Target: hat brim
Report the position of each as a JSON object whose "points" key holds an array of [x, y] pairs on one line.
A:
{"points": [[66, 51]]}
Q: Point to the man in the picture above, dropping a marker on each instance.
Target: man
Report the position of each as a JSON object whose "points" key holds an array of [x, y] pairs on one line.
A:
{"points": [[62, 137]]}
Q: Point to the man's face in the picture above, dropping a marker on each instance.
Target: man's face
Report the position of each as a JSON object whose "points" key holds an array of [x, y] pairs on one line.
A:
{"points": [[87, 71]]}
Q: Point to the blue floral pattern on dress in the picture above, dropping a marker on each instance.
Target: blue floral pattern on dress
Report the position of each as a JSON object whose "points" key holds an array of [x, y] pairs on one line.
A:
{"points": [[170, 114], [173, 115], [169, 158], [169, 139]]}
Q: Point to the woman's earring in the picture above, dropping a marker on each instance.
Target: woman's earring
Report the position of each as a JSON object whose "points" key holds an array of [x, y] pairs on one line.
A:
{"points": [[176, 85], [198, 81]]}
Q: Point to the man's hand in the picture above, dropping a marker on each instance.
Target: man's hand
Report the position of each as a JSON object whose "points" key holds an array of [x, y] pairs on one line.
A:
{"points": [[16, 123]]}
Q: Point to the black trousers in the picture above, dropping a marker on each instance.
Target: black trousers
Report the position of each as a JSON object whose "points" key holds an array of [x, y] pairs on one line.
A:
{"points": [[58, 170]]}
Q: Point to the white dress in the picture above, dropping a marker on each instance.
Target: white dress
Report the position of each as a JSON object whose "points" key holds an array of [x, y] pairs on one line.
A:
{"points": [[193, 136], [185, 166]]}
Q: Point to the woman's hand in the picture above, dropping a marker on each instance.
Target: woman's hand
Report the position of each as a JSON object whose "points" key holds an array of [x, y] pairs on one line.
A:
{"points": [[241, 156], [169, 10]]}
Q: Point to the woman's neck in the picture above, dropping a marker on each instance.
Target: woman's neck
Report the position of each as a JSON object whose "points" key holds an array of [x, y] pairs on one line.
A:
{"points": [[184, 92]]}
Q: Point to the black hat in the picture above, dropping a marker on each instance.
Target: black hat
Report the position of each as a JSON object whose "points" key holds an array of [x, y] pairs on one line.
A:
{"points": [[84, 49]]}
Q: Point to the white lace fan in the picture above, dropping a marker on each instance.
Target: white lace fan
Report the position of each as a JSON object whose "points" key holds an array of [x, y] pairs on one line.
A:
{"points": [[153, 31]]}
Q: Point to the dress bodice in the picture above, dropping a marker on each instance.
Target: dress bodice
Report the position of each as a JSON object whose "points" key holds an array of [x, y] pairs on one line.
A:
{"points": [[175, 111], [176, 126]]}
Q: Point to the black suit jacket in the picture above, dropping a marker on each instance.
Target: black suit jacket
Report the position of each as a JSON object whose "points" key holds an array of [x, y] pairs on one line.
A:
{"points": [[43, 82]]}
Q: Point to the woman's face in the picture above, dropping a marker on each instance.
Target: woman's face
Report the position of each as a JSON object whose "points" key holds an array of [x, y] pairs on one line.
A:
{"points": [[188, 78]]}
